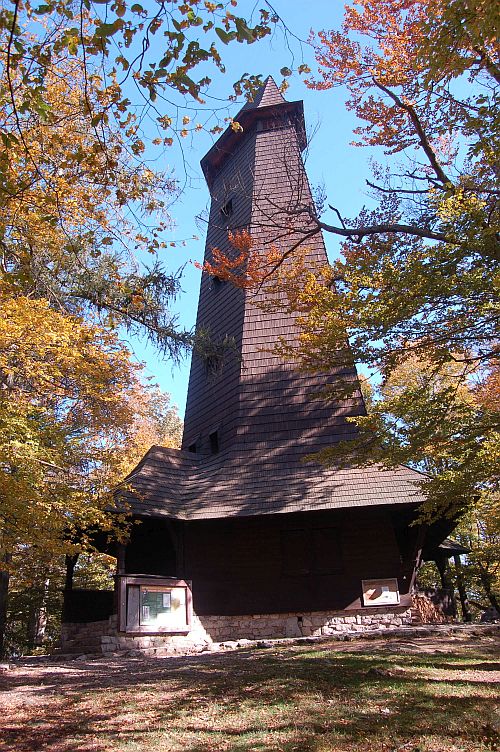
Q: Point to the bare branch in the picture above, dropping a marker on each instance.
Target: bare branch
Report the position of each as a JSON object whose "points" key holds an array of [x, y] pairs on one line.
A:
{"points": [[424, 142], [388, 190], [333, 208], [358, 233]]}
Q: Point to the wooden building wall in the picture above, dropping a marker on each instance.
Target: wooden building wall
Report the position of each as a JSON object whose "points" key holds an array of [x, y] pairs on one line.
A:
{"points": [[294, 562]]}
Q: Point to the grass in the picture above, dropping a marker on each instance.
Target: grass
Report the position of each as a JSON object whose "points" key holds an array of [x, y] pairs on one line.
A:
{"points": [[371, 697]]}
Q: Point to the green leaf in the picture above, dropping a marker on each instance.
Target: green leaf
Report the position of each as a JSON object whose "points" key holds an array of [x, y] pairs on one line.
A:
{"points": [[43, 9], [285, 72], [8, 139], [193, 19], [244, 33], [166, 60], [107, 30], [225, 36], [136, 8]]}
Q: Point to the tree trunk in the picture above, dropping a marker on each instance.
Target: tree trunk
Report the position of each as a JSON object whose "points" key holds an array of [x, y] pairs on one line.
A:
{"points": [[486, 583], [4, 592], [466, 614], [37, 617], [446, 583]]}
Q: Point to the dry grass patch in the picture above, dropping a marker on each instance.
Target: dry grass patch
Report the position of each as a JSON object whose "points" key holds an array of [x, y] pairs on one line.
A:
{"points": [[419, 696]]}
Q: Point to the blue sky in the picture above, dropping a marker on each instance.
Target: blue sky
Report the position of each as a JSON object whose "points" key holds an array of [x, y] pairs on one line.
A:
{"points": [[331, 160]]}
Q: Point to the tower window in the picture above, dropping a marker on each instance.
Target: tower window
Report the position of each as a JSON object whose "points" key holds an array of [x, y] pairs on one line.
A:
{"points": [[214, 442], [217, 282], [227, 209]]}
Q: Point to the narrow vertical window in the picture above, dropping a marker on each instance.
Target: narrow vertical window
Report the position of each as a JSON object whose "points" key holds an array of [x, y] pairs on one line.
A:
{"points": [[214, 442], [227, 209]]}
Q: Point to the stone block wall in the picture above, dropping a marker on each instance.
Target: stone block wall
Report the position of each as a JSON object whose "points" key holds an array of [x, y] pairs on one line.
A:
{"points": [[103, 637], [309, 624]]}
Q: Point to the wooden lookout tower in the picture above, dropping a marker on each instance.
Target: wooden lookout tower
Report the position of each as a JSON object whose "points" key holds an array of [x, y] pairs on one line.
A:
{"points": [[240, 536]]}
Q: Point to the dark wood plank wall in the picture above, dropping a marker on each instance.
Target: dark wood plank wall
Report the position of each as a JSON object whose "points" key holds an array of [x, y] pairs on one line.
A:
{"points": [[238, 566], [256, 398], [152, 548]]}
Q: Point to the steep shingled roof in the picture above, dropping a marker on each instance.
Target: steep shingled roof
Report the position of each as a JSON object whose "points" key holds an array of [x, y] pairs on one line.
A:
{"points": [[268, 94], [177, 484]]}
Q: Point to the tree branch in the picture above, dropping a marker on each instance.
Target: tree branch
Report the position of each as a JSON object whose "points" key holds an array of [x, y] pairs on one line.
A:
{"points": [[390, 190], [358, 233], [424, 142]]}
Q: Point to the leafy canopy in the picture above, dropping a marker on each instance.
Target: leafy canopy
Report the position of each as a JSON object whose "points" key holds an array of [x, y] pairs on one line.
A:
{"points": [[416, 291], [65, 411], [84, 211]]}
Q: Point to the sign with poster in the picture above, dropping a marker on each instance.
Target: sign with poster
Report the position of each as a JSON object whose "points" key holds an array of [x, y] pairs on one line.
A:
{"points": [[152, 605], [380, 592]]}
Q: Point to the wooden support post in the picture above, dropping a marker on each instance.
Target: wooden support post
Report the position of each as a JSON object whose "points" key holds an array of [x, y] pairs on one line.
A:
{"points": [[120, 558], [70, 570]]}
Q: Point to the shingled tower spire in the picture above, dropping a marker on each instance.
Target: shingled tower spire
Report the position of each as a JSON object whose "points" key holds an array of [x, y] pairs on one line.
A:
{"points": [[253, 400], [251, 418]]}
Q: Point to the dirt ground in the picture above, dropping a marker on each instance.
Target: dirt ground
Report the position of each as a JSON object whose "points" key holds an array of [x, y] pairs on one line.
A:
{"points": [[43, 704], [28, 680]]}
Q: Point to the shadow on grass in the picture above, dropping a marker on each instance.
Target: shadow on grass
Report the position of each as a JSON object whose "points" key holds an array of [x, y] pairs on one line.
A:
{"points": [[479, 666], [260, 701]]}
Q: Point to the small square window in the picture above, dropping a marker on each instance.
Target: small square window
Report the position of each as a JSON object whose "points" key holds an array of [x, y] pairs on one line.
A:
{"points": [[217, 283]]}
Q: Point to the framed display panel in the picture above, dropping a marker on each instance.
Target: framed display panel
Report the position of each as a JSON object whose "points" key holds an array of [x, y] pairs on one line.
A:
{"points": [[380, 592], [154, 605]]}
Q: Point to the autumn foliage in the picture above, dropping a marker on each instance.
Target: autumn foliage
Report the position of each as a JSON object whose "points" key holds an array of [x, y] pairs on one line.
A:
{"points": [[244, 266], [415, 288]]}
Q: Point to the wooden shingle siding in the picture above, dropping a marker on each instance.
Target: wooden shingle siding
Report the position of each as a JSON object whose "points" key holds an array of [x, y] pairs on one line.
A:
{"points": [[268, 416], [263, 178]]}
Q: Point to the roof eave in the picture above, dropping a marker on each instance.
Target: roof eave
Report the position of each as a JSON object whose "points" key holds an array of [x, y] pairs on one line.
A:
{"points": [[225, 145]]}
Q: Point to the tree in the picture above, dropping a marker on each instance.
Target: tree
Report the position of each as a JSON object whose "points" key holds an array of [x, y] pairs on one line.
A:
{"points": [[437, 413], [438, 420], [65, 410], [478, 572], [34, 601], [435, 232], [74, 418], [83, 218], [84, 214], [155, 422], [417, 279]]}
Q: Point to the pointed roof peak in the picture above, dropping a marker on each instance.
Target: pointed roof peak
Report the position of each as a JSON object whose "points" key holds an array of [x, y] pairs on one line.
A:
{"points": [[267, 95], [267, 103]]}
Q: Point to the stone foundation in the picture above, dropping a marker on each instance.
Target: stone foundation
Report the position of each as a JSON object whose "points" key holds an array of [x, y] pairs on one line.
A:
{"points": [[103, 637], [308, 624]]}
